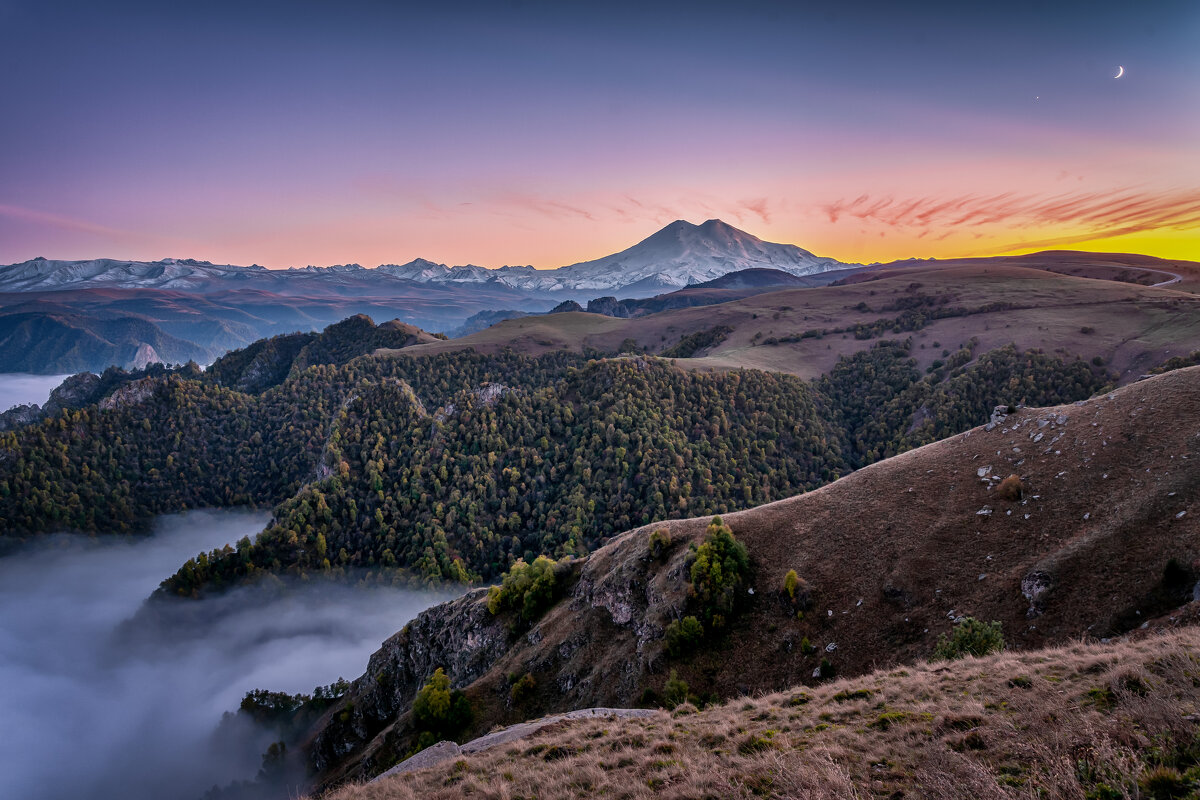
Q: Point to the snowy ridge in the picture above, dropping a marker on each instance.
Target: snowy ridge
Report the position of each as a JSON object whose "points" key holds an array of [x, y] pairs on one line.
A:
{"points": [[678, 255]]}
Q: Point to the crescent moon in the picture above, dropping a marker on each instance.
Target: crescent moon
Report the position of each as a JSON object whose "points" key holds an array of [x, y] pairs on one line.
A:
{"points": [[1120, 72]]}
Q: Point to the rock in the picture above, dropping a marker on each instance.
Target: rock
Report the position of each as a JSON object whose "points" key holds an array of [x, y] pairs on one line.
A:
{"points": [[130, 394], [19, 416], [144, 357], [1035, 586], [434, 754]]}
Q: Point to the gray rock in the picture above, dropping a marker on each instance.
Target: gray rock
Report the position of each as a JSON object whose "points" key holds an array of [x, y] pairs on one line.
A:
{"points": [[430, 756]]}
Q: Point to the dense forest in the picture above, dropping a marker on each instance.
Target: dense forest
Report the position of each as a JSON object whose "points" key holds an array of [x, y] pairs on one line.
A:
{"points": [[453, 466]]}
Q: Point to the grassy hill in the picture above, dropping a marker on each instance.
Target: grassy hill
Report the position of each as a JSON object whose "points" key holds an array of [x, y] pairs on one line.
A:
{"points": [[1101, 541], [1083, 720], [942, 306]]}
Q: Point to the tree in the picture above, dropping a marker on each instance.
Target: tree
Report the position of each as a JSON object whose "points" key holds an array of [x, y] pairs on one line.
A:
{"points": [[718, 572], [440, 711]]}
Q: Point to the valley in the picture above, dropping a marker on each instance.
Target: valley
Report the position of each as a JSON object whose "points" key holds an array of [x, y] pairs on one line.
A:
{"points": [[153, 701]]}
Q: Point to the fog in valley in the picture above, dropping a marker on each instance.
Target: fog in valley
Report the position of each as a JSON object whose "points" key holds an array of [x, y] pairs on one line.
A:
{"points": [[19, 388], [87, 713]]}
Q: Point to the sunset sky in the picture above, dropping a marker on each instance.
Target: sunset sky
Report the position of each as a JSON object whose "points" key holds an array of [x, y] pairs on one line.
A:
{"points": [[305, 132]]}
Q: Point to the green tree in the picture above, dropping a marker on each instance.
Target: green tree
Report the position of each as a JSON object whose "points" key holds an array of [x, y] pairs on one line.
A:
{"points": [[718, 574]]}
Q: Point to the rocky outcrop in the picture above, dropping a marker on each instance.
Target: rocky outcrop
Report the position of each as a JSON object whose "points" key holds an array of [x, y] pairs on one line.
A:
{"points": [[130, 394], [144, 357], [18, 416], [76, 391], [461, 637], [596, 647]]}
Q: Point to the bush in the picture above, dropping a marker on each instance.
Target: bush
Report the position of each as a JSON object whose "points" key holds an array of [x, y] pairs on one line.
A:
{"points": [[790, 582], [660, 542], [1010, 488], [528, 589], [675, 692], [522, 688], [970, 637], [718, 573], [683, 635], [1164, 783], [440, 711]]}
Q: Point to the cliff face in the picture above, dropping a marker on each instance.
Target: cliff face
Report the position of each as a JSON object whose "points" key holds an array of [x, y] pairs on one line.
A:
{"points": [[460, 636], [598, 646]]}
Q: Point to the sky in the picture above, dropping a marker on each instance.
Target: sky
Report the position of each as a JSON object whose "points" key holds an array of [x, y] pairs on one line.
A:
{"points": [[546, 133]]}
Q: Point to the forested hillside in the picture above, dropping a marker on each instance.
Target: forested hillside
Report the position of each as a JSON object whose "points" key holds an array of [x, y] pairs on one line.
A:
{"points": [[452, 466]]}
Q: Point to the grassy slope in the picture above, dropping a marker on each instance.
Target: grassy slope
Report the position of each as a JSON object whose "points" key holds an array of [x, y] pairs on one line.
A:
{"points": [[1061, 722], [1133, 327], [891, 553]]}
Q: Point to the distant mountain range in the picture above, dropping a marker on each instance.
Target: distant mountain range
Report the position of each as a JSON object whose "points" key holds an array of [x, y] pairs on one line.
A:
{"points": [[67, 316], [678, 255]]}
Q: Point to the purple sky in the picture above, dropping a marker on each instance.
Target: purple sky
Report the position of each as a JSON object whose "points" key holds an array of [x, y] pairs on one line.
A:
{"points": [[546, 133]]}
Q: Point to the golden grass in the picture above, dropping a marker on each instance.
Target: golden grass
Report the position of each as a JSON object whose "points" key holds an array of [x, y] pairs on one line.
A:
{"points": [[1050, 723]]}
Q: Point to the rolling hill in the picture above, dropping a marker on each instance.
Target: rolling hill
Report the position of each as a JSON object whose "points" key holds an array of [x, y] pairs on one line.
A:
{"points": [[1128, 326], [1100, 540]]}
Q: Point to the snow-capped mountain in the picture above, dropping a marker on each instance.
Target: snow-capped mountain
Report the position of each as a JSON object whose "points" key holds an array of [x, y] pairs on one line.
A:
{"points": [[40, 274], [678, 255], [683, 253]]}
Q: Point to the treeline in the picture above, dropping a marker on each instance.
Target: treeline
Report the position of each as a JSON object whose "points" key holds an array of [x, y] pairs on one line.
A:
{"points": [[454, 466], [884, 406], [507, 475], [188, 443]]}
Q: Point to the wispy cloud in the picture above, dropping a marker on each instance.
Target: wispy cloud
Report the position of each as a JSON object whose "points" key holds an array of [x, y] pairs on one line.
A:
{"points": [[59, 221], [1096, 215]]}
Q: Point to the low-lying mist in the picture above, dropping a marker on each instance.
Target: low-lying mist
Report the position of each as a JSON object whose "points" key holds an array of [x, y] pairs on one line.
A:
{"points": [[86, 713], [20, 388]]}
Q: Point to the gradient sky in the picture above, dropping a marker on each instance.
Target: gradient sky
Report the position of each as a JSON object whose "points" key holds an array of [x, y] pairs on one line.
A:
{"points": [[305, 132]]}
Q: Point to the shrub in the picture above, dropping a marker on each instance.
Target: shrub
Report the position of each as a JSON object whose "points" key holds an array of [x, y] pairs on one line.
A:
{"points": [[826, 669], [790, 582], [846, 695], [718, 573], [660, 542], [522, 688], [1164, 783], [675, 692], [440, 711], [683, 635], [1010, 488], [970, 637], [528, 589]]}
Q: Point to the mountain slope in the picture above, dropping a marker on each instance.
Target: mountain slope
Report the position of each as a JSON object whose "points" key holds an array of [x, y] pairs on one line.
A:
{"points": [[1082, 720], [805, 331], [36, 342], [1102, 540]]}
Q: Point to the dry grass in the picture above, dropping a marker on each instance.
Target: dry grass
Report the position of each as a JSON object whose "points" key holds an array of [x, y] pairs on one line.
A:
{"points": [[1132, 327], [1052, 723]]}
